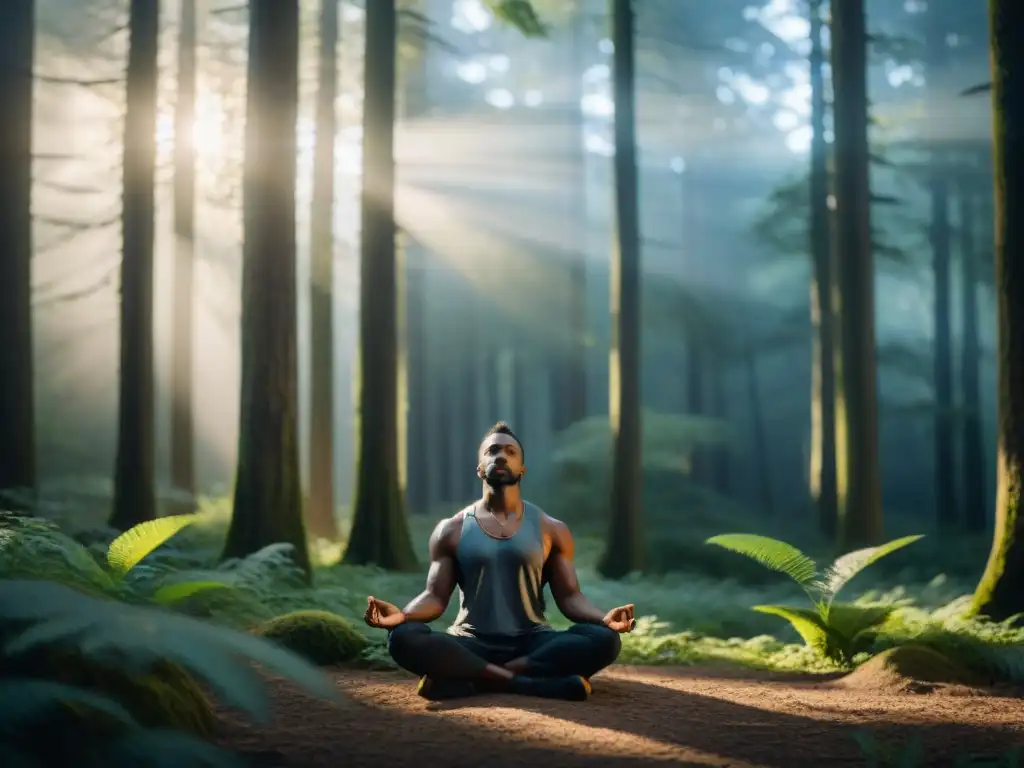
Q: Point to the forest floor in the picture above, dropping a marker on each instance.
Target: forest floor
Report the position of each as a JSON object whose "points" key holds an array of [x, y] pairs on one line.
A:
{"points": [[687, 716]]}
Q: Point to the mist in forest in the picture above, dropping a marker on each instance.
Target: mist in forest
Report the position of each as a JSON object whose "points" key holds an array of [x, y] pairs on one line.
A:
{"points": [[504, 162]]}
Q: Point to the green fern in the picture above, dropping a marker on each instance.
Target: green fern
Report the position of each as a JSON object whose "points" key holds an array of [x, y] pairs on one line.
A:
{"points": [[44, 616], [128, 549], [36, 549], [842, 571], [24, 701], [771, 553], [833, 630], [169, 594], [223, 658]]}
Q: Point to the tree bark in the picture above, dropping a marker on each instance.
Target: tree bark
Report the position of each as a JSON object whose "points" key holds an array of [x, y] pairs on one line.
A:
{"points": [[572, 404], [945, 478], [822, 468], [720, 407], [379, 530], [182, 431], [320, 515], [944, 468], [17, 398], [975, 506], [1000, 593], [857, 470], [134, 484], [761, 449], [417, 370], [268, 490], [626, 543]]}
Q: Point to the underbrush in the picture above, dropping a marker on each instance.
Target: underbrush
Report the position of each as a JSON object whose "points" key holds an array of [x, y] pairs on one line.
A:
{"points": [[685, 618]]}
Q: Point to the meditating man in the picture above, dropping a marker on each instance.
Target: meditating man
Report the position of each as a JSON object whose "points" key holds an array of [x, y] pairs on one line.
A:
{"points": [[501, 551]]}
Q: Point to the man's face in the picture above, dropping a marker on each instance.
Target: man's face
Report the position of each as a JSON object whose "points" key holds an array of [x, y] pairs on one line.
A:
{"points": [[500, 461]]}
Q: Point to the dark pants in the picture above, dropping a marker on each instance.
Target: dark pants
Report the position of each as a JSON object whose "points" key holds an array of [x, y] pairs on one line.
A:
{"points": [[583, 649]]}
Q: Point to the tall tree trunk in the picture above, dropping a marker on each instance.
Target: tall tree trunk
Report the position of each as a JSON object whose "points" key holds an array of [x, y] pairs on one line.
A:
{"points": [[379, 531], [700, 461], [972, 444], [1000, 594], [720, 407], [857, 471], [268, 486], [320, 514], [571, 406], [134, 491], [17, 425], [417, 417], [626, 543], [945, 478], [182, 436], [414, 104], [761, 448], [945, 472], [822, 469]]}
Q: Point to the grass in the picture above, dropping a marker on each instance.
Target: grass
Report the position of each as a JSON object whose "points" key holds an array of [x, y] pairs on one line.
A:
{"points": [[685, 618]]}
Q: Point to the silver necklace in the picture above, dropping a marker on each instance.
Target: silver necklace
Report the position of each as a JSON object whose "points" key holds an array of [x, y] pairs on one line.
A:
{"points": [[503, 533]]}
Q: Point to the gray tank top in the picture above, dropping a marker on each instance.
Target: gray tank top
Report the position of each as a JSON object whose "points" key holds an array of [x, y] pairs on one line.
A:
{"points": [[501, 582]]}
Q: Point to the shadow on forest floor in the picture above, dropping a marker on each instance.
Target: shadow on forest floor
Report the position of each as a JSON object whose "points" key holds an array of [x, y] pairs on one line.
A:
{"points": [[637, 716]]}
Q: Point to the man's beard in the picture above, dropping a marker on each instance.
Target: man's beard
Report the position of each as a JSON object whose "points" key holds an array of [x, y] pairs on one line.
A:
{"points": [[500, 477]]}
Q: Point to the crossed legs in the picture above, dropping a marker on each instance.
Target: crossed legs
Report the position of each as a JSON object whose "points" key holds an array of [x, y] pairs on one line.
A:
{"points": [[580, 651]]}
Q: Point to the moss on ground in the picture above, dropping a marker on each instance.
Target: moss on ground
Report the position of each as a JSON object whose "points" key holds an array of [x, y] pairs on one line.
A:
{"points": [[163, 696], [321, 637]]}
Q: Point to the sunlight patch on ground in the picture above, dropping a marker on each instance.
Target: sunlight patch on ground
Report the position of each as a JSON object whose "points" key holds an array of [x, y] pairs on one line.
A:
{"points": [[523, 722]]}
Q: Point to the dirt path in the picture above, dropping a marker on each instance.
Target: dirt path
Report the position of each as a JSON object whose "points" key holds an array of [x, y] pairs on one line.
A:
{"points": [[636, 716]]}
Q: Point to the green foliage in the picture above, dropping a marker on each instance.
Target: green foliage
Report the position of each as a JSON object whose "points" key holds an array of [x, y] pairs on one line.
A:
{"points": [[834, 630], [519, 14], [321, 637], [577, 476], [669, 439], [783, 223], [993, 651], [117, 681], [65, 560], [128, 549]]}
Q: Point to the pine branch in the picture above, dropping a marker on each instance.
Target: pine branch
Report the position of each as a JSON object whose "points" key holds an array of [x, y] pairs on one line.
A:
{"points": [[976, 89]]}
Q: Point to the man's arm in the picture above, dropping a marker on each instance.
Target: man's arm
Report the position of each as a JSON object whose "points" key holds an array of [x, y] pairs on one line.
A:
{"points": [[564, 582], [433, 600]]}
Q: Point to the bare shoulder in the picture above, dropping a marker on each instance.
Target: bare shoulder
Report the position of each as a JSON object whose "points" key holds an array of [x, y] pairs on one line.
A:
{"points": [[445, 537], [558, 530]]}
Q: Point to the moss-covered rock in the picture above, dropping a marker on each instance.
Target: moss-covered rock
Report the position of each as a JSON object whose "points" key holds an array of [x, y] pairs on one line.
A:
{"points": [[321, 637]]}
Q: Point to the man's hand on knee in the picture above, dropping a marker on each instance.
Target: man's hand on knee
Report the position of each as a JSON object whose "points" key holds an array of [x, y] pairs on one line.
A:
{"points": [[382, 615]]}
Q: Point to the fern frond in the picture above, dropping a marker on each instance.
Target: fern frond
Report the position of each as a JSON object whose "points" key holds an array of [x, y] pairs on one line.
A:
{"points": [[221, 657], [169, 594], [158, 748], [771, 553], [128, 549], [806, 622], [37, 550], [849, 565], [24, 700]]}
